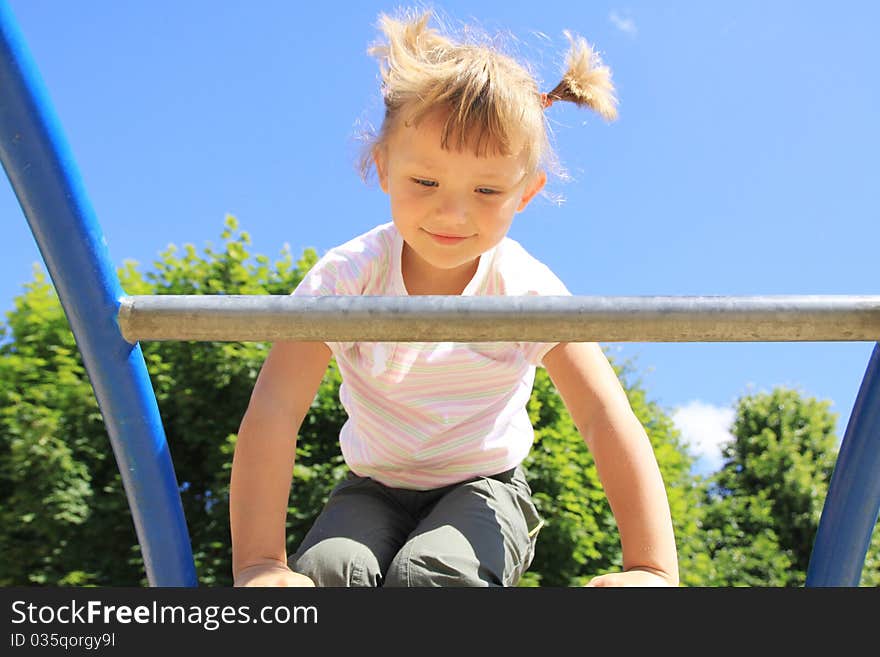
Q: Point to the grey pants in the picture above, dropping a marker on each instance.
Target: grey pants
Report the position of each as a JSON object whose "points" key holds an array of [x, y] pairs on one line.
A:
{"points": [[480, 532]]}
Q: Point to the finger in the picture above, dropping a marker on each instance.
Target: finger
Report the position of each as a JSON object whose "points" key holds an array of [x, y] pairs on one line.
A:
{"points": [[603, 581], [302, 581]]}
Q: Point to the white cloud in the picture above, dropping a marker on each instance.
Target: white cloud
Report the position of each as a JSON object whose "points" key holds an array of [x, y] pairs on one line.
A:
{"points": [[625, 25], [705, 428]]}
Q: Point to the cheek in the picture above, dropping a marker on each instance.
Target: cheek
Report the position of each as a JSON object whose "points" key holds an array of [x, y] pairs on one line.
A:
{"points": [[405, 206], [503, 211], [511, 204], [495, 222]]}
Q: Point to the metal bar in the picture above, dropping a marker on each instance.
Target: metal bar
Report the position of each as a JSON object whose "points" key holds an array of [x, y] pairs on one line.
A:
{"points": [[47, 183], [486, 319], [853, 500]]}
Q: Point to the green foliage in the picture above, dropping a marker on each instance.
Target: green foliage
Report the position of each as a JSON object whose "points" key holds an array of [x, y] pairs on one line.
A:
{"points": [[580, 539], [64, 517], [763, 506], [576, 536], [56, 478]]}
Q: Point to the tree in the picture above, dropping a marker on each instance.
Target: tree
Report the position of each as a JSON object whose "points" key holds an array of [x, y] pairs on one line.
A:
{"points": [[764, 505], [64, 518], [50, 467], [580, 537]]}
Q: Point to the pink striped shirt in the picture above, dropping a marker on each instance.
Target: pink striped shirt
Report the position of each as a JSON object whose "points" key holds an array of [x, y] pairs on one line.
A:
{"points": [[423, 415]]}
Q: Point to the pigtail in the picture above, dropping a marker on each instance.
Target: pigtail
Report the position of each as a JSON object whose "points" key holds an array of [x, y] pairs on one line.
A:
{"points": [[587, 81]]}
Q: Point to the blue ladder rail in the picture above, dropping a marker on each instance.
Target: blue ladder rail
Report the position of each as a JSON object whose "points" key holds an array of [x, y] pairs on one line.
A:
{"points": [[853, 499], [41, 168]]}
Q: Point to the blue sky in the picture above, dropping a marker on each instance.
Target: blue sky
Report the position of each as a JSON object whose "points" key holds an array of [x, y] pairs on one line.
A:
{"points": [[744, 160]]}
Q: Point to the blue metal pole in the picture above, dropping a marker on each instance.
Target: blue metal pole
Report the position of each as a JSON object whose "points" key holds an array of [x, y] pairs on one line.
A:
{"points": [[47, 183], [853, 501]]}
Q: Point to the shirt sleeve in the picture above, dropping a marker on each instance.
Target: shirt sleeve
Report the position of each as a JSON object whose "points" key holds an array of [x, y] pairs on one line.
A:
{"points": [[543, 282], [333, 275]]}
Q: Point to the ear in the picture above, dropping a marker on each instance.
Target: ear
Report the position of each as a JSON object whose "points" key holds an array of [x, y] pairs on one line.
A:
{"points": [[535, 185], [380, 159]]}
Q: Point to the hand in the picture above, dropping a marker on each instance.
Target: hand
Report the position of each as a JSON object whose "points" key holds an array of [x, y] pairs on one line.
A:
{"points": [[271, 574], [634, 577]]}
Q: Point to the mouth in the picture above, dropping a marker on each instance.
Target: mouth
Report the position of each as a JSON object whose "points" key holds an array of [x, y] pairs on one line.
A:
{"points": [[443, 238]]}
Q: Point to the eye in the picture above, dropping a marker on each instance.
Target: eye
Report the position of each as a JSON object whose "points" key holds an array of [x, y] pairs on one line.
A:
{"points": [[425, 183], [486, 191]]}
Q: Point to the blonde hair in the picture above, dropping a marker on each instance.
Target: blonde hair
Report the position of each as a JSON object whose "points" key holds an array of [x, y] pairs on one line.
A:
{"points": [[491, 101]]}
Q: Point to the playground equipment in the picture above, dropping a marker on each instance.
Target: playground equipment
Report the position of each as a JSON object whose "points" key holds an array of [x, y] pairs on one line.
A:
{"points": [[107, 326]]}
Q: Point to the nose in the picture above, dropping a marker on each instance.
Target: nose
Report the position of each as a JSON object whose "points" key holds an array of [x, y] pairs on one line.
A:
{"points": [[451, 210]]}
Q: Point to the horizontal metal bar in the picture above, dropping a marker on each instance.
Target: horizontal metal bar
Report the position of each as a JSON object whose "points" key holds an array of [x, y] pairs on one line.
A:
{"points": [[243, 318]]}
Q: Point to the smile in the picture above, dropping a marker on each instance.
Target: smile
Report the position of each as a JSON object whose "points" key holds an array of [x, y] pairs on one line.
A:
{"points": [[447, 239]]}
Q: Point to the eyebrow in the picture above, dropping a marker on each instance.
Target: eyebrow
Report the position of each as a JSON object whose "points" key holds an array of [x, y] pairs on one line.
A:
{"points": [[428, 164]]}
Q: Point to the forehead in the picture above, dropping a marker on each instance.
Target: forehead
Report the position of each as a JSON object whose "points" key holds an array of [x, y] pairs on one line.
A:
{"points": [[421, 142]]}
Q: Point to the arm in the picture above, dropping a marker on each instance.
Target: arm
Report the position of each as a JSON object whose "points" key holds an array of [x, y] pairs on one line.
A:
{"points": [[625, 461], [262, 467]]}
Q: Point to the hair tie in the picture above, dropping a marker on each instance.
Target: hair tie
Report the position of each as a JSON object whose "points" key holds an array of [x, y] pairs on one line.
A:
{"points": [[546, 100]]}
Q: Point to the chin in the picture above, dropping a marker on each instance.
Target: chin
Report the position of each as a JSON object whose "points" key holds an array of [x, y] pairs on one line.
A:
{"points": [[450, 263]]}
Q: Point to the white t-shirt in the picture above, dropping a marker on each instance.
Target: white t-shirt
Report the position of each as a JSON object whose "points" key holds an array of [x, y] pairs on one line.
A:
{"points": [[423, 415]]}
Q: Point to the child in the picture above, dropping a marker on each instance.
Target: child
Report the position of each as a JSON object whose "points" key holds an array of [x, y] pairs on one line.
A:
{"points": [[436, 432]]}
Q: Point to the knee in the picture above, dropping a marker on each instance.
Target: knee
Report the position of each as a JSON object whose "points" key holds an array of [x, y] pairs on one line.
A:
{"points": [[417, 567], [338, 561]]}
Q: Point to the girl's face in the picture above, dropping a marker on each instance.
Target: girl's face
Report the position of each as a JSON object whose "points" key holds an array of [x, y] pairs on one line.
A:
{"points": [[449, 206]]}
